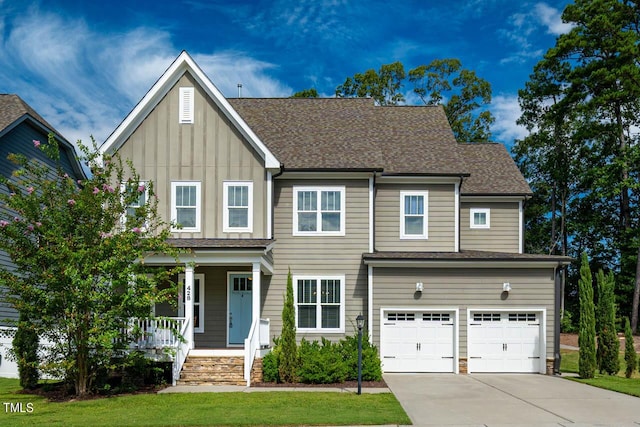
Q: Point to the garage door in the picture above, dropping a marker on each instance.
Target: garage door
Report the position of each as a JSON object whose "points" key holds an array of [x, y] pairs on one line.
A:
{"points": [[504, 342], [417, 341]]}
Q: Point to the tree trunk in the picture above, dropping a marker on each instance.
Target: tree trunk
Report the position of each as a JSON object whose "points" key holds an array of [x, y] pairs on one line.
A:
{"points": [[636, 297]]}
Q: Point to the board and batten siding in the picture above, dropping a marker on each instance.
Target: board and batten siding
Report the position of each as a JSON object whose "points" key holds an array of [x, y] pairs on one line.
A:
{"points": [[210, 151], [440, 218], [464, 288], [503, 234], [320, 255]]}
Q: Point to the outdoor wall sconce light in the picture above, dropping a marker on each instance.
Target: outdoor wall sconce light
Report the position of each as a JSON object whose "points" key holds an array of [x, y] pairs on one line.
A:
{"points": [[419, 287], [506, 287]]}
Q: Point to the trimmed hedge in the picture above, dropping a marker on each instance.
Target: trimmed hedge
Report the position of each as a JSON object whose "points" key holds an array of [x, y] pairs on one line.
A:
{"points": [[327, 362]]}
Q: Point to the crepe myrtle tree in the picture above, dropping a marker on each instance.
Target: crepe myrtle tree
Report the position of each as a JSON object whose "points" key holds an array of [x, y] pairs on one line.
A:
{"points": [[79, 249]]}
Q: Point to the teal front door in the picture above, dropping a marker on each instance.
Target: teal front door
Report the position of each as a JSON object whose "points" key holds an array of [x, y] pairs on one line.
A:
{"points": [[240, 294]]}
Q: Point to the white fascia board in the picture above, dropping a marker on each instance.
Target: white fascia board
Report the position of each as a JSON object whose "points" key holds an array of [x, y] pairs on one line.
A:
{"points": [[184, 63], [489, 199], [417, 179], [460, 264]]}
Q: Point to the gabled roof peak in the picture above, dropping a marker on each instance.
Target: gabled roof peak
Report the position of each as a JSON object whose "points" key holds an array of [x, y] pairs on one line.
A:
{"points": [[182, 64]]}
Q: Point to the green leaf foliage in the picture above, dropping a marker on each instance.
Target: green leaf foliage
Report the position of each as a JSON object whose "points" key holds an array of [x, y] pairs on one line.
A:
{"points": [[321, 363], [587, 330], [288, 351], [608, 342], [25, 349], [79, 254], [463, 95], [306, 93], [630, 355]]}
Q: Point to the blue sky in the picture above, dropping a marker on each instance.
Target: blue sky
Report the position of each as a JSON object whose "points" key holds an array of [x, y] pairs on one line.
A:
{"points": [[83, 65]]}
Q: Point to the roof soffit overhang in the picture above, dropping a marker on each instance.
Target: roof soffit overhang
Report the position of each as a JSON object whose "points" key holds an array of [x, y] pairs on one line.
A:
{"points": [[420, 178], [182, 64], [520, 264]]}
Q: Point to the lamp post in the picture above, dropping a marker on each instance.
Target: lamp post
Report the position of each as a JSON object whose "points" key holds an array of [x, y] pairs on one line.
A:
{"points": [[360, 323]]}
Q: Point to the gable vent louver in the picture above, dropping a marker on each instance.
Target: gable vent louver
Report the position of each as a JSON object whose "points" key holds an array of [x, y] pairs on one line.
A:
{"points": [[186, 105]]}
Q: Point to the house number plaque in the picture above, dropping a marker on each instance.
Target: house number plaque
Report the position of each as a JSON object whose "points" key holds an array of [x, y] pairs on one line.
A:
{"points": [[188, 293]]}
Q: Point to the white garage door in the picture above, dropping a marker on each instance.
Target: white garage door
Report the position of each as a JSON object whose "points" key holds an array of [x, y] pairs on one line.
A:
{"points": [[417, 341], [504, 342]]}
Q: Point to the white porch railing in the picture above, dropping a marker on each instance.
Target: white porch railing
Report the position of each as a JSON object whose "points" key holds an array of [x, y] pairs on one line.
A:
{"points": [[163, 334], [158, 333], [258, 338], [182, 347]]}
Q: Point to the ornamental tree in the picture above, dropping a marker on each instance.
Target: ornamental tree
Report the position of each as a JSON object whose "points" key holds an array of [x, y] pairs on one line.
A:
{"points": [[79, 249], [587, 331]]}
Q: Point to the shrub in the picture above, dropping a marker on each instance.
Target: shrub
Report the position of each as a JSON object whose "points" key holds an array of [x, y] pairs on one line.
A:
{"points": [[270, 368], [607, 354], [630, 355], [25, 348], [371, 367], [321, 363], [566, 324], [587, 330], [288, 356]]}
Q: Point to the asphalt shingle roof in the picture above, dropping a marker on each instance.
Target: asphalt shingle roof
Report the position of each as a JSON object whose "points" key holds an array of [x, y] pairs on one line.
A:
{"points": [[354, 133], [12, 108], [463, 255]]}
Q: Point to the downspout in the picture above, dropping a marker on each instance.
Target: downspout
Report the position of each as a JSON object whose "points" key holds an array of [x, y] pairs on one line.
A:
{"points": [[556, 319]]}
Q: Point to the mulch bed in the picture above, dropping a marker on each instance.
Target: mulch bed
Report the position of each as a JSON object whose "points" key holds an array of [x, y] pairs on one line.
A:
{"points": [[59, 392], [346, 384]]}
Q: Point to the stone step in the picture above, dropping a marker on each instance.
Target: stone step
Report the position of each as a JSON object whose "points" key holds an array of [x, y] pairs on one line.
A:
{"points": [[212, 370]]}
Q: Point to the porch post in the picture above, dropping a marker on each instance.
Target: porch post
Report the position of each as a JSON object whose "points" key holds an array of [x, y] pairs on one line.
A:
{"points": [[255, 295], [188, 302]]}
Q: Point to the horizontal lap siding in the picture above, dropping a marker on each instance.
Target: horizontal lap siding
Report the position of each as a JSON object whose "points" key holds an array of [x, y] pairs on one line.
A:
{"points": [[463, 289], [440, 218], [210, 151], [504, 234], [20, 140], [322, 256]]}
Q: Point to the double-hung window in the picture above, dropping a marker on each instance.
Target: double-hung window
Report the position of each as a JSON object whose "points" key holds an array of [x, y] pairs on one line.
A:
{"points": [[238, 206], [480, 218], [185, 205], [319, 211], [319, 303], [135, 196], [413, 214]]}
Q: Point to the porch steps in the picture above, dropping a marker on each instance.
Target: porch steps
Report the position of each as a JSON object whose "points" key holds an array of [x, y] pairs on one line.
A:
{"points": [[213, 370]]}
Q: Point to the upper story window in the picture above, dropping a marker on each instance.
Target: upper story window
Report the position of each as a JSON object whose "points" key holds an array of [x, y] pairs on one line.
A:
{"points": [[136, 194], [319, 303], [480, 218], [187, 101], [238, 206], [318, 211], [413, 214], [185, 205]]}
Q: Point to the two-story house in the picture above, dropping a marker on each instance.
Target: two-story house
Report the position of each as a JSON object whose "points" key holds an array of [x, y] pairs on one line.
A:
{"points": [[20, 125], [374, 210]]}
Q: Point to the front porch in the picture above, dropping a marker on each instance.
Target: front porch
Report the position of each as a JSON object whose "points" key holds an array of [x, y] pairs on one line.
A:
{"points": [[218, 310]]}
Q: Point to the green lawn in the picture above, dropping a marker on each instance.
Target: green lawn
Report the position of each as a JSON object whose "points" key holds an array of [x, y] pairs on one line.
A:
{"points": [[206, 409], [617, 383]]}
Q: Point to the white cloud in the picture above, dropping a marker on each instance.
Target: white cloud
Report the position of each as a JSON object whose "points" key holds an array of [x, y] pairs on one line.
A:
{"points": [[506, 110], [551, 18], [84, 82]]}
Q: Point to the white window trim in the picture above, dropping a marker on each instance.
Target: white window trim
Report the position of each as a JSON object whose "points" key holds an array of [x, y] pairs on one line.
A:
{"points": [[225, 214], [187, 104], [319, 190], [474, 211], [425, 225], [318, 278], [123, 189], [174, 210], [200, 308]]}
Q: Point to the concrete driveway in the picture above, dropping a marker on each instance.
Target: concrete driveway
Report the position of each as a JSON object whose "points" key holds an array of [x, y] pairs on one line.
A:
{"points": [[514, 400]]}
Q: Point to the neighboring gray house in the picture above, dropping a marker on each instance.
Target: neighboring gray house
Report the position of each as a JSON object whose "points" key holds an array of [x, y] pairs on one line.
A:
{"points": [[375, 210], [20, 125]]}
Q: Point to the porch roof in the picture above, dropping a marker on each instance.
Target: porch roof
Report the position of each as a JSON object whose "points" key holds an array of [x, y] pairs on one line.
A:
{"points": [[264, 244]]}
